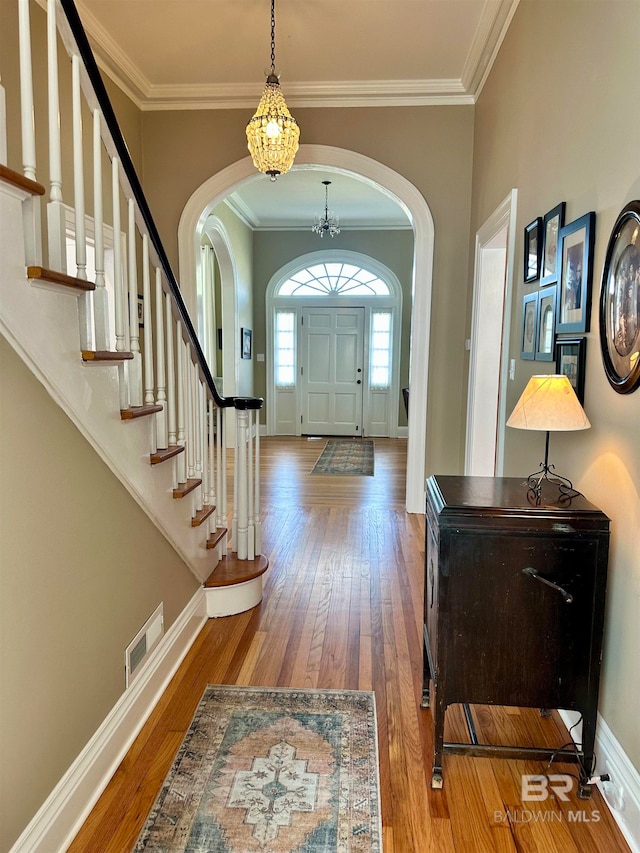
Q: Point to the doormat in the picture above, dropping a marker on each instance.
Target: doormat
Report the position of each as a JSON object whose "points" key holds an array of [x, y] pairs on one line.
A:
{"points": [[264, 769], [346, 456]]}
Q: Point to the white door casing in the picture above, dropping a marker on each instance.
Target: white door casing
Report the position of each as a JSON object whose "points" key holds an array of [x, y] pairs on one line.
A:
{"points": [[488, 368]]}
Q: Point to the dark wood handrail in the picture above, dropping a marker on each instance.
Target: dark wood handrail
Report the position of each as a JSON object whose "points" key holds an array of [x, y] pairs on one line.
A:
{"points": [[93, 73]]}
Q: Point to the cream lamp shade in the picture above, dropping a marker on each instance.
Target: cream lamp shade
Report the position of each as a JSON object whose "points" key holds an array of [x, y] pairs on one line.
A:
{"points": [[549, 403]]}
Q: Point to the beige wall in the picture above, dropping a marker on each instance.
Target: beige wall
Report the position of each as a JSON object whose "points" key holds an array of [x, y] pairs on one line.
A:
{"points": [[559, 119], [431, 147], [81, 569], [274, 249]]}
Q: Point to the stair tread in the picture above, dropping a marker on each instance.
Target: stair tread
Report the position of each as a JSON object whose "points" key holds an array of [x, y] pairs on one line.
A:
{"points": [[216, 537], [202, 515], [55, 277], [230, 571], [183, 489], [138, 412], [20, 181], [105, 355], [165, 453]]}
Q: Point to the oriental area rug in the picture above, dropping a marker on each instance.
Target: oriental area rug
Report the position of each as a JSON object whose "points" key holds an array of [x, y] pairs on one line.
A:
{"points": [[272, 771], [346, 456]]}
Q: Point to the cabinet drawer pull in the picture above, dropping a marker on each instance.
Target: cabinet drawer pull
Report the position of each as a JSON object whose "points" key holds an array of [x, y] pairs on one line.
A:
{"points": [[533, 573]]}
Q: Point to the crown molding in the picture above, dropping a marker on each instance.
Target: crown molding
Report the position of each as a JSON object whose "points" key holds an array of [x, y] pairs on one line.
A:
{"points": [[489, 35], [349, 93], [237, 206], [122, 70]]}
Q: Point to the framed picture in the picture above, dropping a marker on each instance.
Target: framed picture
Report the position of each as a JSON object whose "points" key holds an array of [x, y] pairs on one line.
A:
{"points": [[576, 271], [546, 324], [532, 249], [571, 356], [620, 302], [140, 311], [529, 324], [245, 342], [551, 225]]}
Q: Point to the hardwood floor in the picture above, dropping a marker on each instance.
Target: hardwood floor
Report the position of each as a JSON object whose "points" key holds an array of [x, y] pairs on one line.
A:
{"points": [[342, 608]]}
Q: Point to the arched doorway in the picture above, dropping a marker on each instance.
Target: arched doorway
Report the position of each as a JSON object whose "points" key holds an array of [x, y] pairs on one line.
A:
{"points": [[333, 346], [214, 190]]}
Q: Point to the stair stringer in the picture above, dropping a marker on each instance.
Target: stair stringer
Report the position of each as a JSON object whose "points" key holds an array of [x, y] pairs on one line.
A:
{"points": [[42, 327]]}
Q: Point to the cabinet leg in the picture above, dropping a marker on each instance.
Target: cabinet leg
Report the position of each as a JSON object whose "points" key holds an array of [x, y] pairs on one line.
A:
{"points": [[438, 711], [436, 778], [545, 712], [584, 791]]}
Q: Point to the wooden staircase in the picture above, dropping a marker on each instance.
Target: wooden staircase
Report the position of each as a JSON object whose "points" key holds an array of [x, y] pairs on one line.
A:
{"points": [[234, 584]]}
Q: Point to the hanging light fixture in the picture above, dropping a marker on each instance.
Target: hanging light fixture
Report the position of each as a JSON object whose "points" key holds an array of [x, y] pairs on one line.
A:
{"points": [[273, 133], [327, 224]]}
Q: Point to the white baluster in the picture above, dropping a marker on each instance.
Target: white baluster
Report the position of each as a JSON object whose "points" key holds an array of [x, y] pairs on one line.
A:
{"points": [[197, 432], [188, 378], [211, 462], [55, 155], [234, 512], [204, 444], [221, 518], [148, 341], [135, 366], [161, 386], [26, 92], [171, 374], [56, 221], [100, 296], [181, 471], [85, 302], [119, 288], [257, 521], [78, 171], [241, 478], [250, 493], [30, 207], [148, 334]]}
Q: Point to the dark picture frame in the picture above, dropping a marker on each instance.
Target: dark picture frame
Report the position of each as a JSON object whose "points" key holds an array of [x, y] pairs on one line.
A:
{"points": [[140, 310], [529, 326], [620, 302], [571, 360], [576, 273], [546, 323], [245, 342], [552, 224], [532, 250]]}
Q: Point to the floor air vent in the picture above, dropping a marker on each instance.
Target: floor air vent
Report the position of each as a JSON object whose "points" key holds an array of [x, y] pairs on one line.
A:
{"points": [[143, 643]]}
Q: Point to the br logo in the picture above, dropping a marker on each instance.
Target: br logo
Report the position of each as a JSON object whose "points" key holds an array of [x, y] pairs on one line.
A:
{"points": [[537, 788]]}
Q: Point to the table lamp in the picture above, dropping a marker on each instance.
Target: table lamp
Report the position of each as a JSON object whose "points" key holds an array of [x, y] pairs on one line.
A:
{"points": [[548, 403]]}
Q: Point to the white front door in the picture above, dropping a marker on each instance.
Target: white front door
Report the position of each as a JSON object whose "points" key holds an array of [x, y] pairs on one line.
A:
{"points": [[332, 370]]}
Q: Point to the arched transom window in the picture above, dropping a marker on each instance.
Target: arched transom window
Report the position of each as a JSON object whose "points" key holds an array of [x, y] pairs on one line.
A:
{"points": [[334, 279]]}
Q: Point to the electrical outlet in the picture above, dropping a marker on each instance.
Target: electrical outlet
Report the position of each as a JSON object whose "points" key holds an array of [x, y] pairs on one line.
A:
{"points": [[613, 792]]}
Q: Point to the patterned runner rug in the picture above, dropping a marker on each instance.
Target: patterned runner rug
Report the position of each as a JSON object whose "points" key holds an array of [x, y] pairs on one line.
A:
{"points": [[346, 456], [274, 771]]}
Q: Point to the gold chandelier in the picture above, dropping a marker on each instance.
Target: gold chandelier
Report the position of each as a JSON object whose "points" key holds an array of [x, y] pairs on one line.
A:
{"points": [[273, 134]]}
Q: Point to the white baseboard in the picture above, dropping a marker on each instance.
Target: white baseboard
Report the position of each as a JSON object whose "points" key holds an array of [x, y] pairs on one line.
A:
{"points": [[622, 793], [57, 822]]}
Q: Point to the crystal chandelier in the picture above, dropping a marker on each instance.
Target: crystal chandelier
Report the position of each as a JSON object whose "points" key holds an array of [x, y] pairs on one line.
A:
{"points": [[327, 224], [273, 133]]}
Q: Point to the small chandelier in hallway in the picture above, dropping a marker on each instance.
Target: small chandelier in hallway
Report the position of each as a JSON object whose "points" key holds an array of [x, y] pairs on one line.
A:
{"points": [[273, 134], [327, 224]]}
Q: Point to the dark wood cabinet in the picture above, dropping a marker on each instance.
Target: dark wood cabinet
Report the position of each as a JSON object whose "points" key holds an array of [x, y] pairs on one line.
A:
{"points": [[513, 606]]}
